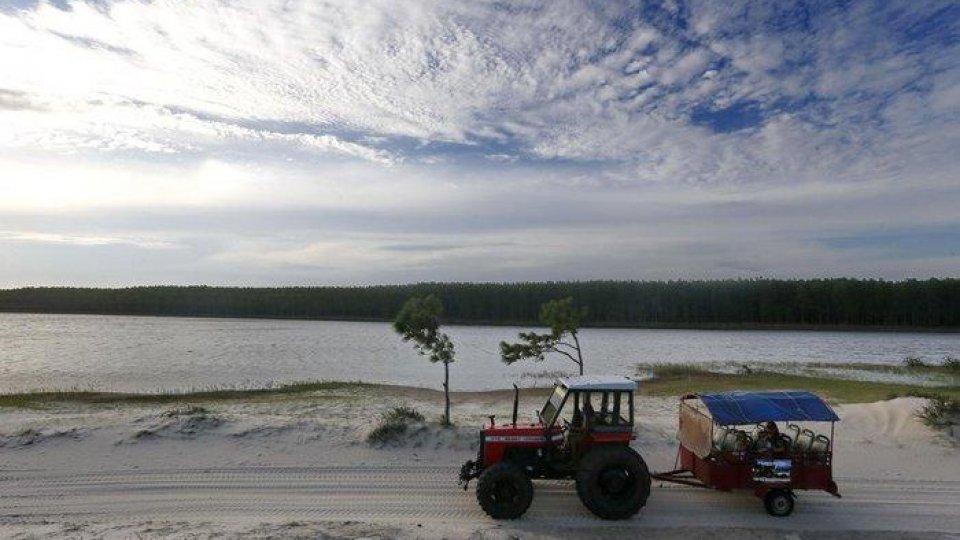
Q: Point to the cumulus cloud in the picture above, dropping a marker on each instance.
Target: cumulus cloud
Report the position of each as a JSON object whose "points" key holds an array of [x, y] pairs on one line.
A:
{"points": [[81, 240], [291, 141]]}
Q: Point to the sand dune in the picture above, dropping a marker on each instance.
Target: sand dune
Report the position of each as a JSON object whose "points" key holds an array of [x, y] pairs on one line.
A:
{"points": [[301, 467]]}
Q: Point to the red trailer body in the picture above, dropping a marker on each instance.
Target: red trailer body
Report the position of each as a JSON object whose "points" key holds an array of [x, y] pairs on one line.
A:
{"points": [[800, 460], [811, 472]]}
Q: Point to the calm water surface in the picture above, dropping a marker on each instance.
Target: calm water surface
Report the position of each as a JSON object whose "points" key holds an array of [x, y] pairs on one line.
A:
{"points": [[155, 353]]}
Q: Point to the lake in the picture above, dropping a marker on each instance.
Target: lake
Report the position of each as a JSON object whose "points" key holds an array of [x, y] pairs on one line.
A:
{"points": [[149, 354]]}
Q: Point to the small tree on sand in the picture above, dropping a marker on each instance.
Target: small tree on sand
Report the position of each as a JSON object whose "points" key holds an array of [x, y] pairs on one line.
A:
{"points": [[564, 319], [418, 321]]}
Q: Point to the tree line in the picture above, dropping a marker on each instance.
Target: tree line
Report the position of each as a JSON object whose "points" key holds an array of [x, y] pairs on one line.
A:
{"points": [[930, 303]]}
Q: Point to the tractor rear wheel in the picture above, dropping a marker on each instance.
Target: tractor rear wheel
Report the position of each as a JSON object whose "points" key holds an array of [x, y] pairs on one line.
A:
{"points": [[504, 491], [613, 482]]}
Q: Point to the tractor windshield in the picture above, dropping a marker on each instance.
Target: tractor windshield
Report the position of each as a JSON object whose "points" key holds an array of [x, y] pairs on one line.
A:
{"points": [[553, 404]]}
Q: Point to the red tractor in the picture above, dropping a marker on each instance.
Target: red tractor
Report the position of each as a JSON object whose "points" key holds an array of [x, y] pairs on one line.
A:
{"points": [[583, 433]]}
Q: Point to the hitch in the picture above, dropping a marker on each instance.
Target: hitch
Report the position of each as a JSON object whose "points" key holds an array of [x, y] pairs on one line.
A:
{"points": [[468, 471]]}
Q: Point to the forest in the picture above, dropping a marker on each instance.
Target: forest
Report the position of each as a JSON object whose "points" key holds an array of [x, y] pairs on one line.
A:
{"points": [[744, 303]]}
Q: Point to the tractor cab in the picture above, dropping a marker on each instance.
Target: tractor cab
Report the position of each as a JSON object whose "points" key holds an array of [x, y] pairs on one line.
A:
{"points": [[591, 405], [586, 419]]}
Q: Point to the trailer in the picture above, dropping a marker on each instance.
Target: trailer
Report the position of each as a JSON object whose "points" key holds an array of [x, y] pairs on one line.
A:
{"points": [[734, 440]]}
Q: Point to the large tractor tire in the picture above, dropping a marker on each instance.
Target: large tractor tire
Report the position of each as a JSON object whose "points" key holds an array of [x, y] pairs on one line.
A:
{"points": [[504, 491], [613, 482]]}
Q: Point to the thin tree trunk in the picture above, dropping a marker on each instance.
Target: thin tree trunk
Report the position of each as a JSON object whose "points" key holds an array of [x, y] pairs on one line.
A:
{"points": [[446, 393], [579, 354]]}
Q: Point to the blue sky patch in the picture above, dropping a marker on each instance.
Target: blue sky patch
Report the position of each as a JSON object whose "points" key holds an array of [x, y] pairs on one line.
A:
{"points": [[742, 115], [909, 244]]}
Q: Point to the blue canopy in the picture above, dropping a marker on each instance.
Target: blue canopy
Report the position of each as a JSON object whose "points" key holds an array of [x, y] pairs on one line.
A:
{"points": [[735, 408]]}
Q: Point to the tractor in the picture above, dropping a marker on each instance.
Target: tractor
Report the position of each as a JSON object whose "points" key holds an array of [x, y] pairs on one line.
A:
{"points": [[582, 433]]}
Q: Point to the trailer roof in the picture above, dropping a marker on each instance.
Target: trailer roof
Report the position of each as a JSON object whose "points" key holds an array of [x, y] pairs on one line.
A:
{"points": [[738, 408], [598, 382]]}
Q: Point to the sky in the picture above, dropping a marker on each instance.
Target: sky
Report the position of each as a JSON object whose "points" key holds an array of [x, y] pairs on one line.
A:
{"points": [[289, 142]]}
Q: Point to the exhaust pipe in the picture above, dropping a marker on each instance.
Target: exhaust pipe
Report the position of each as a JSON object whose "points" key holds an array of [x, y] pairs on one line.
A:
{"points": [[516, 403]]}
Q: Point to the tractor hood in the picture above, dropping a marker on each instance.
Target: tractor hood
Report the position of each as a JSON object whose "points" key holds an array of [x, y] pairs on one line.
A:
{"points": [[521, 433]]}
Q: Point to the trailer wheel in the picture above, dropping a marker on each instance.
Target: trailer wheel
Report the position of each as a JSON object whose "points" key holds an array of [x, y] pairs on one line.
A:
{"points": [[613, 482], [504, 491], [778, 502]]}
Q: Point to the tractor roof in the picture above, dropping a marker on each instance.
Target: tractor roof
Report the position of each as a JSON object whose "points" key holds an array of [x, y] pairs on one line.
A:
{"points": [[598, 383]]}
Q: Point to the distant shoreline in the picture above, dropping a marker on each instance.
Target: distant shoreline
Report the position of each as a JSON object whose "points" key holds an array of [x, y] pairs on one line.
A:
{"points": [[832, 304], [666, 380], [731, 327]]}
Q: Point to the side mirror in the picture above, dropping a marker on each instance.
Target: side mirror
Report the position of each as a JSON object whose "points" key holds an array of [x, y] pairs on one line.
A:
{"points": [[539, 416]]}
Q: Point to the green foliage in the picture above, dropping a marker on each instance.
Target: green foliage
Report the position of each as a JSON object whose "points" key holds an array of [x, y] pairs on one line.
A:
{"points": [[932, 303], [665, 371], [914, 362], [951, 363], [940, 411], [393, 424], [683, 379], [563, 319], [402, 413], [39, 399], [386, 432], [419, 322]]}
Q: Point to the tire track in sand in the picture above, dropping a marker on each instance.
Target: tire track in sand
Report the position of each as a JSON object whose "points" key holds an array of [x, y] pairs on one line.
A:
{"points": [[430, 494]]}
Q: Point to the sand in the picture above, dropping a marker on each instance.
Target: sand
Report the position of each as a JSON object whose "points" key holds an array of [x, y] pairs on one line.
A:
{"points": [[300, 466]]}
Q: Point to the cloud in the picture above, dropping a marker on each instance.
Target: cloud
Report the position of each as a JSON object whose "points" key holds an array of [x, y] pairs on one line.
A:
{"points": [[13, 100], [292, 141], [80, 240]]}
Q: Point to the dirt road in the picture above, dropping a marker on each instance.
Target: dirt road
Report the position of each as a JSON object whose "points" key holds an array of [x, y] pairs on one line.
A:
{"points": [[412, 496]]}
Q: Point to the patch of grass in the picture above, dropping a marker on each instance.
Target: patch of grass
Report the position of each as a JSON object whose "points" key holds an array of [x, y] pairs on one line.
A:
{"points": [[41, 398], [189, 410], [914, 362], [672, 371], [393, 424], [678, 380], [858, 366], [940, 411], [903, 367], [386, 432], [403, 413], [945, 374], [951, 363], [17, 400]]}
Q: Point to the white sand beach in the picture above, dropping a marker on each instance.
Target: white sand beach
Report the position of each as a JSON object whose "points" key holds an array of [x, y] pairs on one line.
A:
{"points": [[300, 466]]}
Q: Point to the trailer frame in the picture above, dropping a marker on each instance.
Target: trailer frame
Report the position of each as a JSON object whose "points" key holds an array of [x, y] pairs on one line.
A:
{"points": [[772, 475]]}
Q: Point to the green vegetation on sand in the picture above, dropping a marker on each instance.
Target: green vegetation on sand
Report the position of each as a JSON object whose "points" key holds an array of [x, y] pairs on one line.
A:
{"points": [[41, 398], [680, 379], [668, 380], [393, 424]]}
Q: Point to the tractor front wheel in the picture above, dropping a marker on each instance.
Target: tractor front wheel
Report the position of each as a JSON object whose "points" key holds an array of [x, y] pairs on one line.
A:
{"points": [[504, 491], [613, 482]]}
